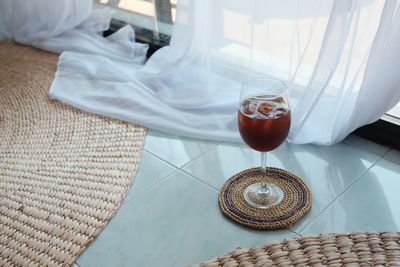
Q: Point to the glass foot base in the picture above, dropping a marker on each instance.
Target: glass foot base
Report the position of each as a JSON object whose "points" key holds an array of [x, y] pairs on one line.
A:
{"points": [[261, 198]]}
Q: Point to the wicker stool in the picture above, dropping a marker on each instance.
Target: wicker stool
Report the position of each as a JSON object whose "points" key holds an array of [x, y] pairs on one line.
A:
{"points": [[341, 249]]}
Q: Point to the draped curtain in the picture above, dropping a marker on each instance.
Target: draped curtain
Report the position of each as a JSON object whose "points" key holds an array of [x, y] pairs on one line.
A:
{"points": [[339, 58]]}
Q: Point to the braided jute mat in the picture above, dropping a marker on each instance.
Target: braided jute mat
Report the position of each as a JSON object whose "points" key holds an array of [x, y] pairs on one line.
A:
{"points": [[295, 204], [335, 250], [63, 172]]}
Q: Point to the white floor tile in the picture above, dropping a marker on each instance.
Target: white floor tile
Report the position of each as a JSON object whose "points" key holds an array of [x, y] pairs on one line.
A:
{"points": [[151, 171], [365, 144], [174, 149], [171, 219], [372, 203], [393, 155], [176, 223], [327, 170]]}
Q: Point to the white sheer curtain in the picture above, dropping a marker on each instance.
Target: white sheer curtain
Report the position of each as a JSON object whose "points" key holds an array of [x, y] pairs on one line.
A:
{"points": [[340, 59], [67, 25]]}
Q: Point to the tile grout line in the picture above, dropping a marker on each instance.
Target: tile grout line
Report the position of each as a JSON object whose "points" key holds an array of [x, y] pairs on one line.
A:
{"points": [[390, 160], [387, 152], [184, 165], [158, 157], [141, 193], [175, 171], [293, 232], [175, 166], [151, 187], [111, 221], [201, 154], [199, 180], [367, 151], [390, 148], [195, 158], [338, 196]]}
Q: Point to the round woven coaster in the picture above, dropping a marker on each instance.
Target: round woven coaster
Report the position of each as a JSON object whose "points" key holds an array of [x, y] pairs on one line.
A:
{"points": [[296, 202]]}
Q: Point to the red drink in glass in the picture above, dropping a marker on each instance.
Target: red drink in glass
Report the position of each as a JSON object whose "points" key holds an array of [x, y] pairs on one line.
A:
{"points": [[263, 124]]}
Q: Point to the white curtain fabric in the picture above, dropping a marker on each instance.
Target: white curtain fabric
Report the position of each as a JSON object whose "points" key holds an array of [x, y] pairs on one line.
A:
{"points": [[67, 25], [339, 58]]}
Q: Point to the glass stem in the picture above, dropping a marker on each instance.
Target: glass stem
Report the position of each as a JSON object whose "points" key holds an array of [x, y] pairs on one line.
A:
{"points": [[264, 187]]}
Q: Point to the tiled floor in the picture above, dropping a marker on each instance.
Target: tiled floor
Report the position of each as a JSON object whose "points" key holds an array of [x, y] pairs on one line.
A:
{"points": [[171, 217]]}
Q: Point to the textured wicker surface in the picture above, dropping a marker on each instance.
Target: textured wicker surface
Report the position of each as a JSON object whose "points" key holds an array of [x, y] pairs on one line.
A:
{"points": [[63, 172], [297, 200], [344, 249]]}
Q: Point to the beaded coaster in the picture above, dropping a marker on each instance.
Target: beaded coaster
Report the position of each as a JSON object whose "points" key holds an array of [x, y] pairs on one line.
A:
{"points": [[295, 204]]}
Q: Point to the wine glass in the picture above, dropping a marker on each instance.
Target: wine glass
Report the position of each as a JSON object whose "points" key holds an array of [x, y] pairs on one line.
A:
{"points": [[264, 122]]}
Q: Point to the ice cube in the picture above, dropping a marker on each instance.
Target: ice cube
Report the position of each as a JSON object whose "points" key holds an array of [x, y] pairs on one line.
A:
{"points": [[249, 107]]}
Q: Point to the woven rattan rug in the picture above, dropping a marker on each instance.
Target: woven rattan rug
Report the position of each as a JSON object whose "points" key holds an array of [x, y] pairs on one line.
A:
{"points": [[344, 249], [295, 204], [63, 172]]}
